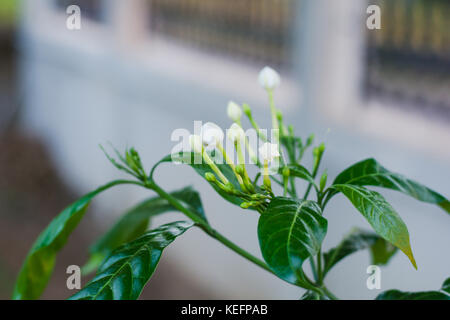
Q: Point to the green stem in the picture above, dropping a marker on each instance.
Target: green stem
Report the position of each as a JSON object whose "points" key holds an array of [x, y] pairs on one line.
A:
{"points": [[313, 268], [329, 293], [259, 132], [273, 112], [216, 235], [319, 268], [310, 185], [214, 167], [280, 183], [206, 227], [231, 165], [293, 188]]}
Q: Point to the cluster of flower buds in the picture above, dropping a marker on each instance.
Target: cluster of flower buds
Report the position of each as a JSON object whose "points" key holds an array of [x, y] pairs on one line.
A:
{"points": [[211, 139]]}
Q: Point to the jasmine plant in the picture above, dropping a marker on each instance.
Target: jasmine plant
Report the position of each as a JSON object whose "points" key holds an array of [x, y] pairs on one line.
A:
{"points": [[291, 226]]}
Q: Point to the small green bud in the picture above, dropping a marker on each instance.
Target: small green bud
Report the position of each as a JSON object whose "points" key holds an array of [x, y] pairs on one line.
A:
{"points": [[135, 154], [310, 140], [229, 188], [246, 205], [279, 115], [240, 169], [323, 180], [267, 184], [247, 110], [322, 147], [318, 151], [210, 177], [257, 196], [286, 172], [133, 160], [291, 130]]}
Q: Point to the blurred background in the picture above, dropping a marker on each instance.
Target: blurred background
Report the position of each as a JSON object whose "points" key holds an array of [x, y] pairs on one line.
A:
{"points": [[139, 69]]}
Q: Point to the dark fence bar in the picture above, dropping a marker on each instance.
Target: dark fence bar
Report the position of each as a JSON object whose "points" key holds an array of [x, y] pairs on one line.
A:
{"points": [[255, 29], [91, 9]]}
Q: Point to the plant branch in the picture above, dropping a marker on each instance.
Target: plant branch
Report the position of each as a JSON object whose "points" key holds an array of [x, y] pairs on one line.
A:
{"points": [[329, 293], [206, 227], [308, 284]]}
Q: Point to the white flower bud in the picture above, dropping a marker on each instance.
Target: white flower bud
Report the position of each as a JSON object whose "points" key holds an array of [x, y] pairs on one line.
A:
{"points": [[234, 111], [268, 78], [196, 143], [211, 135], [235, 133], [268, 151]]}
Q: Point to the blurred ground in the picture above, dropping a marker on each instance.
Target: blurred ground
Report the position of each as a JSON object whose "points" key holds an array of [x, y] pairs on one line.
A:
{"points": [[31, 194]]}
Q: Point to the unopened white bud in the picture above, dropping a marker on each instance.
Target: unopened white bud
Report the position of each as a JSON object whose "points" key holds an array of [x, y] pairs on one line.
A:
{"points": [[268, 78], [268, 151], [211, 135], [234, 111], [235, 133]]}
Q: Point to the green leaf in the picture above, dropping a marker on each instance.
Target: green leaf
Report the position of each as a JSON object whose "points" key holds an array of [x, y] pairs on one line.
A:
{"points": [[40, 261], [446, 286], [195, 161], [135, 222], [370, 173], [380, 215], [290, 231], [443, 294], [298, 171], [127, 270], [382, 251], [355, 241]]}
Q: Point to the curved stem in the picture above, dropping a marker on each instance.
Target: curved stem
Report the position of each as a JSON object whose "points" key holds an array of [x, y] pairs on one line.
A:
{"points": [[329, 293], [206, 227], [313, 268], [216, 235], [219, 237], [319, 268]]}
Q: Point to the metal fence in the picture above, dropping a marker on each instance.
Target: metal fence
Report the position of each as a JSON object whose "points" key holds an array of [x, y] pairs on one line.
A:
{"points": [[91, 9], [255, 29], [409, 58]]}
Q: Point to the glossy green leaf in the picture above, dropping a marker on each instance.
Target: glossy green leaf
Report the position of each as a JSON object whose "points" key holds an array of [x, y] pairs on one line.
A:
{"points": [[299, 171], [290, 231], [40, 261], [370, 173], [380, 215], [195, 161], [443, 294], [135, 222], [355, 241], [127, 270]]}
